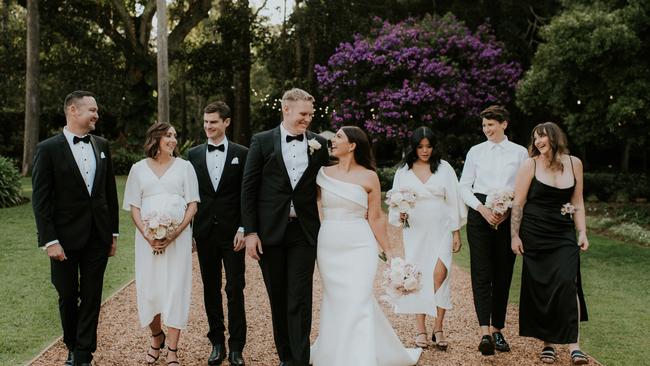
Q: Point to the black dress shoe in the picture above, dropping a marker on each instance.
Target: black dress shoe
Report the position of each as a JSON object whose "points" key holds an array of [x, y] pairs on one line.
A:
{"points": [[217, 355], [285, 363], [235, 358], [486, 346], [500, 343], [83, 364], [70, 360]]}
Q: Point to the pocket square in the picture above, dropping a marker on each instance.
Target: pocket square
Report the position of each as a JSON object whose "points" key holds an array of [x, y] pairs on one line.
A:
{"points": [[235, 161], [101, 155]]}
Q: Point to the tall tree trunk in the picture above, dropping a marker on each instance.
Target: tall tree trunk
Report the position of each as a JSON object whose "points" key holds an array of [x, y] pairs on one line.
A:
{"points": [[625, 159], [298, 45], [32, 97], [311, 57], [241, 76], [163, 65]]}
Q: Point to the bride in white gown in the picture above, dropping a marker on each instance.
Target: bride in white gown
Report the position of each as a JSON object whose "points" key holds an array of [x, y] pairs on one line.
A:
{"points": [[353, 329]]}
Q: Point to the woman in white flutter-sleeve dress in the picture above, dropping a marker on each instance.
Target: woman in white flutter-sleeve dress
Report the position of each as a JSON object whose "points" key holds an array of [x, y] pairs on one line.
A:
{"points": [[166, 184], [433, 235]]}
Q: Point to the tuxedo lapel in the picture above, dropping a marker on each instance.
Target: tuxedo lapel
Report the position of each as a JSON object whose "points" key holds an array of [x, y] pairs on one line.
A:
{"points": [[99, 162], [69, 158], [277, 146]]}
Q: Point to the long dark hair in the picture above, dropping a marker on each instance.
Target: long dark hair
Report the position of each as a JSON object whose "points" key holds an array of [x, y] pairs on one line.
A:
{"points": [[557, 140], [362, 153], [152, 139], [418, 135]]}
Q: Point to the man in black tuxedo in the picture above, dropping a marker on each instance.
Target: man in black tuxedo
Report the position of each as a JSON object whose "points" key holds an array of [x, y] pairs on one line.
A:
{"points": [[76, 211], [281, 220], [219, 166]]}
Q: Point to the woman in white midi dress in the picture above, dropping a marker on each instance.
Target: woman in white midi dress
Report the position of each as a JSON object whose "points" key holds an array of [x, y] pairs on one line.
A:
{"points": [[433, 235], [353, 330], [162, 183]]}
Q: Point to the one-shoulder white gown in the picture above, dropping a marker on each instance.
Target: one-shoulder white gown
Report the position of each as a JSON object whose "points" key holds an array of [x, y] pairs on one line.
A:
{"points": [[353, 329]]}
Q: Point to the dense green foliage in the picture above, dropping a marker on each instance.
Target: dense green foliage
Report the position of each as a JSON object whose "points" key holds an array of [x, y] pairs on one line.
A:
{"points": [[10, 190]]}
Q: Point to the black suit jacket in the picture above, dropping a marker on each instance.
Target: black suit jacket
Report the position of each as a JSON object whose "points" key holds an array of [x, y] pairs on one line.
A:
{"points": [[221, 209], [63, 209], [267, 192]]}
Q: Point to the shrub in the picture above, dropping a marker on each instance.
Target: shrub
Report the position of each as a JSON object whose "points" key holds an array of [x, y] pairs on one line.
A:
{"points": [[616, 187], [386, 175], [10, 190], [123, 159]]}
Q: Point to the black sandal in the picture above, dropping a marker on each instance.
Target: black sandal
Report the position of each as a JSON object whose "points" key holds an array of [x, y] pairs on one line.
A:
{"points": [[152, 348], [548, 355], [440, 345], [579, 358], [169, 349]]}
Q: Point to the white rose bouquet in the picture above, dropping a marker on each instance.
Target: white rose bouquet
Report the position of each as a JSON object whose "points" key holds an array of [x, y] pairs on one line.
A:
{"points": [[159, 225], [401, 279], [402, 200], [499, 201]]}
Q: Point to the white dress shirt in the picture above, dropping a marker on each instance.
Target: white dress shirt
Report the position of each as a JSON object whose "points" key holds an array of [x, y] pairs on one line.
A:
{"points": [[490, 166], [216, 160], [84, 156], [295, 158]]}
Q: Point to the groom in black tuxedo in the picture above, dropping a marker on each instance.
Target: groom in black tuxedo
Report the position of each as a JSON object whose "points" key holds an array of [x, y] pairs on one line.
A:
{"points": [[219, 166], [76, 211], [281, 220]]}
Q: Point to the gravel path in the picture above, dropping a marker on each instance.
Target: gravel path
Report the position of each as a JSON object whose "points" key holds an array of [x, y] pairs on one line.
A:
{"points": [[121, 341]]}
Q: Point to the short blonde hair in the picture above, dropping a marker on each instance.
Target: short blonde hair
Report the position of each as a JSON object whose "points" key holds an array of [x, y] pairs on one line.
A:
{"points": [[295, 94]]}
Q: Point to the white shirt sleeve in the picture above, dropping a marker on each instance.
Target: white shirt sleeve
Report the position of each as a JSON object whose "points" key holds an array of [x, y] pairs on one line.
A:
{"points": [[467, 181], [453, 200]]}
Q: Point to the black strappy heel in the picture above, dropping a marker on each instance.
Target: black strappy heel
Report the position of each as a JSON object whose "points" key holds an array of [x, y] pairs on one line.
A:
{"points": [[152, 348], [169, 349]]}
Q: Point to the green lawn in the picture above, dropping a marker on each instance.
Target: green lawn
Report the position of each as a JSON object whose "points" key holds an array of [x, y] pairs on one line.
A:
{"points": [[615, 282], [29, 316]]}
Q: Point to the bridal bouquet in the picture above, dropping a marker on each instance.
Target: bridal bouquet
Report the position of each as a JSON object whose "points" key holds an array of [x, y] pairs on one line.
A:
{"points": [[158, 225], [499, 201], [401, 279], [402, 200]]}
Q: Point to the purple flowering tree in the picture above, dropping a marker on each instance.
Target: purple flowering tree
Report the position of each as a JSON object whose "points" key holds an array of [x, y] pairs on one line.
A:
{"points": [[433, 72]]}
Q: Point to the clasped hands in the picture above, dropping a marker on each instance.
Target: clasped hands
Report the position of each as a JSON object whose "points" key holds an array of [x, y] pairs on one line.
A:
{"points": [[492, 217]]}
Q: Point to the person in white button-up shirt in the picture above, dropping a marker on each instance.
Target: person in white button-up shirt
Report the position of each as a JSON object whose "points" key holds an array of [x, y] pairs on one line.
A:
{"points": [[490, 165]]}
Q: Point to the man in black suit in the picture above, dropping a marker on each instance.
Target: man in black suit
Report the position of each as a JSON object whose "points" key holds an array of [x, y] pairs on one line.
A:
{"points": [[76, 211], [219, 166], [281, 220]]}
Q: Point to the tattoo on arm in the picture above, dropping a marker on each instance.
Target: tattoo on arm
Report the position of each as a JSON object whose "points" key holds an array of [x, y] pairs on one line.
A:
{"points": [[515, 219]]}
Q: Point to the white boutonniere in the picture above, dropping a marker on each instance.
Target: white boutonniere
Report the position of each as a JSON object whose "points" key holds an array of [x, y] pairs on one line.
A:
{"points": [[313, 145]]}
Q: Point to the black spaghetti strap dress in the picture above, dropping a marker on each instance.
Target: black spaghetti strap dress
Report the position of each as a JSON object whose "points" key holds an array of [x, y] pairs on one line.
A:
{"points": [[551, 287]]}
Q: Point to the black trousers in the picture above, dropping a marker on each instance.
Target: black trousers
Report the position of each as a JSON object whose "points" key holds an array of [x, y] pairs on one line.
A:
{"points": [[288, 271], [213, 252], [79, 281], [492, 262]]}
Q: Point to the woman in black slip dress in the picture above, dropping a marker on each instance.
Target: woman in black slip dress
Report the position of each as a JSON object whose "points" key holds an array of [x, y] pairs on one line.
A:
{"points": [[548, 209]]}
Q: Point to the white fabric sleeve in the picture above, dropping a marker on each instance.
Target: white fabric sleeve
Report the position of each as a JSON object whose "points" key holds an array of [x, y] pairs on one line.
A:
{"points": [[467, 181], [453, 200], [190, 184], [132, 190]]}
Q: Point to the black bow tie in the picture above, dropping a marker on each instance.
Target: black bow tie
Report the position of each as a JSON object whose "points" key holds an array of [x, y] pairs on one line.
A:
{"points": [[211, 148], [297, 137], [85, 139]]}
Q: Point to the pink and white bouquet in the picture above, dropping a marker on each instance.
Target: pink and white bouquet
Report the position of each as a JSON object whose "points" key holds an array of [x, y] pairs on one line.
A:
{"points": [[159, 225], [402, 200], [568, 209], [401, 279], [499, 201]]}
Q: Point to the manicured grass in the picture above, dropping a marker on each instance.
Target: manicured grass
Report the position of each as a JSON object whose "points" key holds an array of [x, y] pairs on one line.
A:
{"points": [[29, 315], [615, 282]]}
